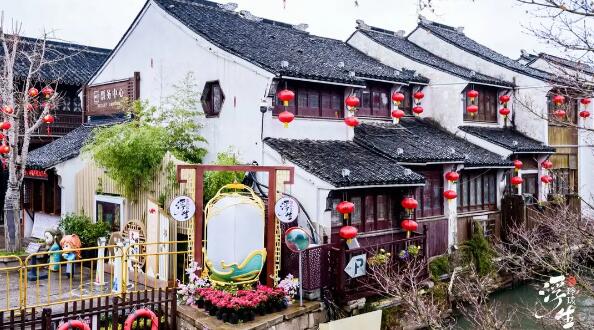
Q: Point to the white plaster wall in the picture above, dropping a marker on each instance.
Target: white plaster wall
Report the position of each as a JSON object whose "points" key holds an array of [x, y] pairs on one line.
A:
{"points": [[163, 50], [531, 92], [66, 172], [586, 166], [543, 65]]}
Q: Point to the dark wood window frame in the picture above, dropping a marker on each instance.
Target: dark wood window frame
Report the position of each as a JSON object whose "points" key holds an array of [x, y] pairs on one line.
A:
{"points": [[376, 101], [430, 196], [313, 100], [212, 99], [477, 190], [487, 101]]}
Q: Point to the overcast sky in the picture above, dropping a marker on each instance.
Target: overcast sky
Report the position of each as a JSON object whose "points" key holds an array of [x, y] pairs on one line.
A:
{"points": [[494, 23]]}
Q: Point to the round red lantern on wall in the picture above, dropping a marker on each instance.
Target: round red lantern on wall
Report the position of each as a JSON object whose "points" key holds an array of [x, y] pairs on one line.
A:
{"points": [[419, 95], [418, 110], [546, 179], [348, 232], [516, 180], [7, 109], [504, 112], [452, 176], [503, 99], [286, 96], [4, 149], [33, 92], [5, 125], [409, 203], [351, 121], [559, 113], [472, 94], [47, 91], [397, 114], [547, 164], [286, 117], [472, 109], [584, 114], [409, 225], [352, 102], [48, 119], [585, 101], [397, 98], [344, 208], [450, 194], [518, 164], [558, 99]]}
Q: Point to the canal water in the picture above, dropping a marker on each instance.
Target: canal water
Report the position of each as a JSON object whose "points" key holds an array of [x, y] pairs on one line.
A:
{"points": [[523, 300]]}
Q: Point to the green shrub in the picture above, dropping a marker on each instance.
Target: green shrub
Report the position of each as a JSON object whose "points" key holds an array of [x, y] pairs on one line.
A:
{"points": [[478, 252], [439, 266], [87, 231], [213, 181]]}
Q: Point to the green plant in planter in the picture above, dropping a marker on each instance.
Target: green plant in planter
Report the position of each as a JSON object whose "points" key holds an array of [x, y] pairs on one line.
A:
{"points": [[87, 231], [213, 181]]}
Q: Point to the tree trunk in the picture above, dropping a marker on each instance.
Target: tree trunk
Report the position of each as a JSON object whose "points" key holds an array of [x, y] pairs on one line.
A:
{"points": [[12, 217]]}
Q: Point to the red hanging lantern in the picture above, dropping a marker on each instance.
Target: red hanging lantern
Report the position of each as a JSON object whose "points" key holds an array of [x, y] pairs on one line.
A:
{"points": [[29, 107], [5, 125], [47, 91], [286, 96], [450, 194], [518, 164], [48, 119], [504, 112], [559, 113], [558, 99], [503, 99], [4, 148], [286, 117], [585, 101], [418, 110], [409, 225], [584, 114], [1, 136], [352, 102], [7, 109], [452, 176], [472, 94], [419, 95], [351, 121], [546, 179], [547, 164], [345, 208], [409, 204], [516, 180], [348, 232], [33, 92], [472, 109], [397, 114], [397, 98]]}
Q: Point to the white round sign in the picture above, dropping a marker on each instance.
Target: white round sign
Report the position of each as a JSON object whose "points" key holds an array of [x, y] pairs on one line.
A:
{"points": [[286, 209], [182, 208]]}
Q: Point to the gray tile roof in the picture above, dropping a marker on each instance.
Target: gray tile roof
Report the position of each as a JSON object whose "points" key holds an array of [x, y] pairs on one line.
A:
{"points": [[66, 147], [420, 141], [408, 49], [508, 138], [268, 43], [327, 159], [72, 64], [457, 38], [559, 61]]}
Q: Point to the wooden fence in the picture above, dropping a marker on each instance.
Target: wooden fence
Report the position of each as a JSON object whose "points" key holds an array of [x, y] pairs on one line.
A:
{"points": [[99, 312]]}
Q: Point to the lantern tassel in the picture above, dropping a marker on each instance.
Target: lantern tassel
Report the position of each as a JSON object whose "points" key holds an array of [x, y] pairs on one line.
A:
{"points": [[407, 234], [49, 131]]}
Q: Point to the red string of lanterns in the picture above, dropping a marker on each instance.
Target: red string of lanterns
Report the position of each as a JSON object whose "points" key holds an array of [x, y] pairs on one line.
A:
{"points": [[286, 96], [559, 100], [585, 113], [346, 232], [472, 109], [352, 103], [397, 99], [418, 109], [504, 111], [409, 225], [546, 178]]}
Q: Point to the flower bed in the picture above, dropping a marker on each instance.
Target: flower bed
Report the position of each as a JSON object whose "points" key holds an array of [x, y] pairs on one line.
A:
{"points": [[237, 306]]}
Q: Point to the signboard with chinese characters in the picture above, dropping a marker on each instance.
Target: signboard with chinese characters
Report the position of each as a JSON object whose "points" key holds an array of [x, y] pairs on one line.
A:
{"points": [[286, 209], [182, 208], [106, 99], [35, 174]]}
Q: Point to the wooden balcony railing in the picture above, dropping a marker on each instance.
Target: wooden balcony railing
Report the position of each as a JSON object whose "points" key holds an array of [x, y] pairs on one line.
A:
{"points": [[64, 123]]}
